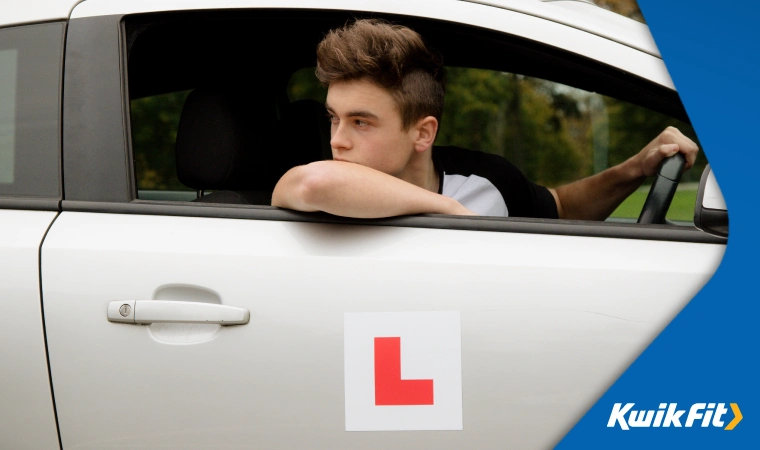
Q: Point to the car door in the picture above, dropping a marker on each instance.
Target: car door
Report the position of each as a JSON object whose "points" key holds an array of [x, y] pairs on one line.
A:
{"points": [[533, 320], [530, 329]]}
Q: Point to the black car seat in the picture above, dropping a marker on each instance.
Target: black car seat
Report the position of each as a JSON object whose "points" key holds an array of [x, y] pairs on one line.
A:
{"points": [[231, 143], [222, 144]]}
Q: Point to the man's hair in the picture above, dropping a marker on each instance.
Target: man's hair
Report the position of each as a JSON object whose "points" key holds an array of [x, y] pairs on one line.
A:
{"points": [[393, 57]]}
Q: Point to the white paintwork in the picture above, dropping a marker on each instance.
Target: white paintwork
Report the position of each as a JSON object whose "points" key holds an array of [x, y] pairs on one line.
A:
{"points": [[713, 198], [27, 420], [586, 17], [167, 311], [14, 12], [524, 19], [548, 323]]}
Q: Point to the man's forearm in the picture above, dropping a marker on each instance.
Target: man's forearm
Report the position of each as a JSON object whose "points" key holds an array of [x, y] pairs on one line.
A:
{"points": [[597, 196], [352, 190]]}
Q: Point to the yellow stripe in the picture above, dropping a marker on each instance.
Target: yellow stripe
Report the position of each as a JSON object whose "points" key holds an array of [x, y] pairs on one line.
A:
{"points": [[737, 417]]}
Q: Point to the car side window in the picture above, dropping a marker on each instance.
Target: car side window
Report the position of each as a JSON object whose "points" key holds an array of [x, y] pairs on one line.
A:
{"points": [[30, 76], [210, 126]]}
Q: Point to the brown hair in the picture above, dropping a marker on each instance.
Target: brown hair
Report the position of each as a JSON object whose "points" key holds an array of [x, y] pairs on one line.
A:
{"points": [[393, 57]]}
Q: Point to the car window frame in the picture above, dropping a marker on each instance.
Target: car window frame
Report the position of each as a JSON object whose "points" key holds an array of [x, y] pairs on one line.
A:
{"points": [[96, 76], [36, 158]]}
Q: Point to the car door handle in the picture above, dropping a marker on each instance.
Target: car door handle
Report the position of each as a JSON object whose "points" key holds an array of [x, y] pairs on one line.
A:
{"points": [[168, 311]]}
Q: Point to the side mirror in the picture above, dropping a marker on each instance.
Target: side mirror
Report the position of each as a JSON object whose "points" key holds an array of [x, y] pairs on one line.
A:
{"points": [[710, 212]]}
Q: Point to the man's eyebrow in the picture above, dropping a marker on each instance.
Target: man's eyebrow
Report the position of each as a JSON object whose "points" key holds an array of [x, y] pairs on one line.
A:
{"points": [[361, 113], [356, 113]]}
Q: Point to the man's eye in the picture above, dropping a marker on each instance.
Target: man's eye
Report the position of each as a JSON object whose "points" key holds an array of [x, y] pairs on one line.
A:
{"points": [[331, 118], [361, 123]]}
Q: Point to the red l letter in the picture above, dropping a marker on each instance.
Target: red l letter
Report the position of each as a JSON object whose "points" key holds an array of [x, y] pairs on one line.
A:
{"points": [[390, 389]]}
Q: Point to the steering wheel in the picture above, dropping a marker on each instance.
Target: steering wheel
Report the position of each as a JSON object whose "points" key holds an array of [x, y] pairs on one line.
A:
{"points": [[663, 188]]}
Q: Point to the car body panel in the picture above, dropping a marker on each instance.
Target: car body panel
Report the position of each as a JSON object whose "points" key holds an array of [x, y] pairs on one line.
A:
{"points": [[537, 312], [27, 419], [587, 17], [17, 12]]}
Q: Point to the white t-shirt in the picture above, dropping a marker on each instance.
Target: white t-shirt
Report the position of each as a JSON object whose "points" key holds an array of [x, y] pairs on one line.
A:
{"points": [[489, 185]]}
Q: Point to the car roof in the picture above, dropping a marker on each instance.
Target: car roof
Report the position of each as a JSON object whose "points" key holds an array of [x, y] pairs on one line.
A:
{"points": [[16, 12], [586, 16], [580, 14]]}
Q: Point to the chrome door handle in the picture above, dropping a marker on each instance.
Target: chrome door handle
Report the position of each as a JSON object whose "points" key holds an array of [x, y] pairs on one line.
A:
{"points": [[167, 311]]}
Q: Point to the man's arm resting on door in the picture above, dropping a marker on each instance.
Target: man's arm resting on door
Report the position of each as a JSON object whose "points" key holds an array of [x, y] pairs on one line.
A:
{"points": [[352, 190]]}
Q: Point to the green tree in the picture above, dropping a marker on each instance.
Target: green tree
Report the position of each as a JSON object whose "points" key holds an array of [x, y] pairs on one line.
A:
{"points": [[517, 117], [633, 127], [154, 132]]}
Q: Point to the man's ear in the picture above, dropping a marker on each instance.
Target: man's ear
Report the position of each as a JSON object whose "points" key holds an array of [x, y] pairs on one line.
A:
{"points": [[425, 132]]}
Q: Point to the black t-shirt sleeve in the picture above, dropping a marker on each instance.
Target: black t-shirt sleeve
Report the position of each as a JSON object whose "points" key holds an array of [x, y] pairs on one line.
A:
{"points": [[522, 197]]}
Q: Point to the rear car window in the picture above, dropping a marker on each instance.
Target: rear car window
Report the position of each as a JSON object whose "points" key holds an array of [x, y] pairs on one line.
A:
{"points": [[30, 75]]}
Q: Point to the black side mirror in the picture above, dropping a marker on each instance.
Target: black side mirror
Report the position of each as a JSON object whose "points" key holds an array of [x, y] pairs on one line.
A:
{"points": [[710, 212]]}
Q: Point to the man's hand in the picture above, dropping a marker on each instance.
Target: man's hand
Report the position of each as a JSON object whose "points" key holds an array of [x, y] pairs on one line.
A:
{"points": [[353, 190], [668, 143], [597, 196]]}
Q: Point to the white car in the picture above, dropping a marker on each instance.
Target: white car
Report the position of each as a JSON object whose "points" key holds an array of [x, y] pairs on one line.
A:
{"points": [[153, 299]]}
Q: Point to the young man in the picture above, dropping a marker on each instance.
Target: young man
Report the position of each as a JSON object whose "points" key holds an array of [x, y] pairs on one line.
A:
{"points": [[385, 101]]}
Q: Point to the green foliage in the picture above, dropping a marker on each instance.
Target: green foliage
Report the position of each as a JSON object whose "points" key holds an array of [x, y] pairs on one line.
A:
{"points": [[303, 84], [633, 127], [154, 132], [681, 209], [516, 117]]}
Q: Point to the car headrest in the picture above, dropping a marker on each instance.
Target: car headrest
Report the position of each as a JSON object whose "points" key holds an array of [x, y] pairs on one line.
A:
{"points": [[228, 140], [220, 141]]}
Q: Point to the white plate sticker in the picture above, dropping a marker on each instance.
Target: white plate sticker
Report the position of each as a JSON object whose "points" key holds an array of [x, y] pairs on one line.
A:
{"points": [[403, 371]]}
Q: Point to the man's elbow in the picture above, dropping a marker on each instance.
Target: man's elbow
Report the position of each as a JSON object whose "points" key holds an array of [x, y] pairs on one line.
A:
{"points": [[302, 188], [314, 185]]}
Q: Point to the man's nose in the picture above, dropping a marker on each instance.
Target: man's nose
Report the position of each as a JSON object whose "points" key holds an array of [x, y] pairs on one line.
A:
{"points": [[339, 139]]}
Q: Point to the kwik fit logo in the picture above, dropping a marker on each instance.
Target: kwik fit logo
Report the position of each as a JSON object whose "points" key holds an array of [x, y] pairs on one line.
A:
{"points": [[668, 415]]}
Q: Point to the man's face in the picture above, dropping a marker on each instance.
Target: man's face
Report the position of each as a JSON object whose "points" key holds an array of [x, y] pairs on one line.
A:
{"points": [[366, 127]]}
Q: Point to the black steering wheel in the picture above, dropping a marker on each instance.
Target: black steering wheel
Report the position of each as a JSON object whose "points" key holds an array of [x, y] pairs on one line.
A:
{"points": [[663, 189]]}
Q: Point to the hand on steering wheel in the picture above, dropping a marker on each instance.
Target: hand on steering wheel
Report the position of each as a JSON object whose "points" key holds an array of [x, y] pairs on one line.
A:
{"points": [[663, 188]]}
